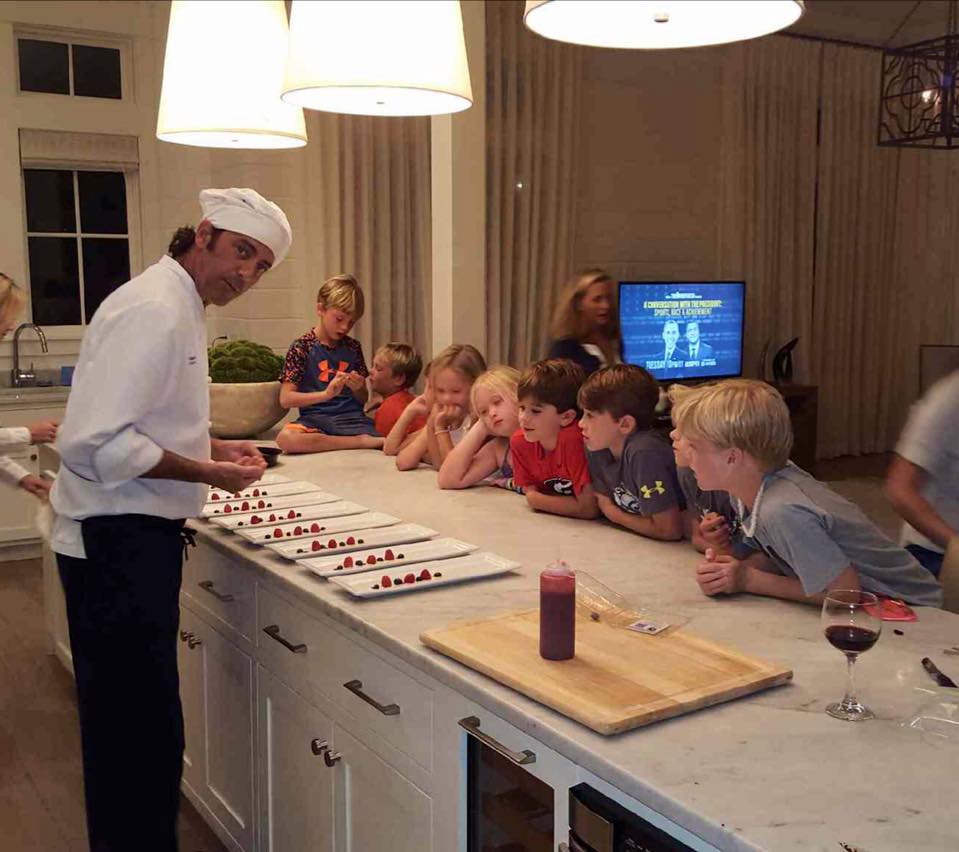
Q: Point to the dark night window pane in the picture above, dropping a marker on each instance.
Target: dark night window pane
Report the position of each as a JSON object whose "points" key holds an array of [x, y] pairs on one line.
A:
{"points": [[49, 201], [106, 265], [96, 71], [103, 202], [54, 281], [43, 66]]}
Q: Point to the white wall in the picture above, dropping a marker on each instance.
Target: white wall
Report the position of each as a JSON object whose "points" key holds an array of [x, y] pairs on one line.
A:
{"points": [[648, 163]]}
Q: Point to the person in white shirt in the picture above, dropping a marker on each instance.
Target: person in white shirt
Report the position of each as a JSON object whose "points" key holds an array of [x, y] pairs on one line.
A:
{"points": [[13, 438], [136, 458]]}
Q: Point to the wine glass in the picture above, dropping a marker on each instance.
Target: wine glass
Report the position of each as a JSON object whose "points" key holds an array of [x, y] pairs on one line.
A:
{"points": [[851, 622]]}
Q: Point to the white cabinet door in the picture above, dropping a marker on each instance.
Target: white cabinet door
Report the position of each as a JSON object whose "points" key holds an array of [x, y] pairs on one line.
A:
{"points": [[17, 508], [190, 664], [228, 732], [295, 785], [377, 809]]}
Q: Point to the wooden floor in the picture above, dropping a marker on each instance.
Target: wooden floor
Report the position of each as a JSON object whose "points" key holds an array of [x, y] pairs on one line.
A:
{"points": [[41, 785]]}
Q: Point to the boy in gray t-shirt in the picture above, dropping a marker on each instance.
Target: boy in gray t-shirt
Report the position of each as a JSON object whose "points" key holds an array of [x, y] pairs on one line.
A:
{"points": [[923, 479], [738, 437]]}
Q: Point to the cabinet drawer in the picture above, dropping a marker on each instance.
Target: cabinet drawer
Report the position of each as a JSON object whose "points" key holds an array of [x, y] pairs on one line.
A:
{"points": [[216, 584]]}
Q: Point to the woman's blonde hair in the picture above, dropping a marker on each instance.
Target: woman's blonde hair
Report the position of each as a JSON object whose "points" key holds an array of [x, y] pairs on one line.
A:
{"points": [[499, 377], [342, 293], [461, 357], [568, 320], [742, 413], [12, 298]]}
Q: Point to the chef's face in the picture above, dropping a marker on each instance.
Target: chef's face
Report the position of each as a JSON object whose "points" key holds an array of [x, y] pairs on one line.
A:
{"points": [[229, 265], [670, 334], [597, 303]]}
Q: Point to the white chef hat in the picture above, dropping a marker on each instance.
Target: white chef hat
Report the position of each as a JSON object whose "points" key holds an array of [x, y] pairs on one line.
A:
{"points": [[247, 212]]}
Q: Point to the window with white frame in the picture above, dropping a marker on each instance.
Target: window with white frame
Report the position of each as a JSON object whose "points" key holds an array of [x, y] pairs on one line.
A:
{"points": [[63, 64], [78, 241]]}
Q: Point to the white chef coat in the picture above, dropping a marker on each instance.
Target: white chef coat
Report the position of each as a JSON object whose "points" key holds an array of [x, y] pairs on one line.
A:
{"points": [[139, 388], [13, 438]]}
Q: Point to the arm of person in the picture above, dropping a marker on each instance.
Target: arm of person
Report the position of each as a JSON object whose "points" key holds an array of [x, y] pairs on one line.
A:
{"points": [[410, 456], [228, 475], [666, 525], [443, 418], [242, 452], [904, 484], [470, 461], [356, 382], [290, 397], [582, 505], [691, 530], [15, 438], [713, 531], [398, 437]]}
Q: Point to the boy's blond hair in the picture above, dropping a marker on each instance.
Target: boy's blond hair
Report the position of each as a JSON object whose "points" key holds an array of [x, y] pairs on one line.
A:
{"points": [[461, 357], [738, 413], [12, 298], [499, 377], [403, 360], [342, 293], [622, 389]]}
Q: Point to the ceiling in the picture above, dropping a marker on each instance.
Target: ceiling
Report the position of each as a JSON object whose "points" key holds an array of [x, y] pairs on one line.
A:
{"points": [[873, 22]]}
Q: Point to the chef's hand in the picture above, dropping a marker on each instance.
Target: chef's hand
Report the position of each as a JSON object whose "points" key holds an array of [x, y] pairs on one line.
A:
{"points": [[336, 384], [43, 432], [234, 477], [720, 574], [714, 530], [354, 381], [39, 488], [241, 452]]}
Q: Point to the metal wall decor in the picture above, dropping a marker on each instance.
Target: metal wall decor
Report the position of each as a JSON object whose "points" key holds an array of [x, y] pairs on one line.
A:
{"points": [[918, 95]]}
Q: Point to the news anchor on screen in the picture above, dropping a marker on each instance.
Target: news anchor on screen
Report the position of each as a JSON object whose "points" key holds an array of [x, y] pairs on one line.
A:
{"points": [[699, 350]]}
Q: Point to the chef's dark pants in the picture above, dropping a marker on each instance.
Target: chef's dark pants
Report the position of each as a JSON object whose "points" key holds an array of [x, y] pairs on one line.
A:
{"points": [[123, 609]]}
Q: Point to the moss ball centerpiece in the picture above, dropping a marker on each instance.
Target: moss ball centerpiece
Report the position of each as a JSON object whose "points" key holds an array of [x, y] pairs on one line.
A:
{"points": [[244, 389]]}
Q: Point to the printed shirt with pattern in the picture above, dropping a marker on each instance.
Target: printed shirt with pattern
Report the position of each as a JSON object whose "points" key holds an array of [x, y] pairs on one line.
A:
{"points": [[643, 480], [563, 471], [346, 356]]}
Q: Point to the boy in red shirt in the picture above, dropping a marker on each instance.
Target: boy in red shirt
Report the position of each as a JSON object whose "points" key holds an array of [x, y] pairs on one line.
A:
{"points": [[549, 459], [396, 367]]}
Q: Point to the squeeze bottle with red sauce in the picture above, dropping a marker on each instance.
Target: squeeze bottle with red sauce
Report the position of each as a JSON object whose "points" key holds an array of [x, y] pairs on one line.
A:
{"points": [[557, 612]]}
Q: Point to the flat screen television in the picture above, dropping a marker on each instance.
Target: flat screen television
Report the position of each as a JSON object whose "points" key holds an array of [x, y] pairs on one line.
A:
{"points": [[683, 329]]}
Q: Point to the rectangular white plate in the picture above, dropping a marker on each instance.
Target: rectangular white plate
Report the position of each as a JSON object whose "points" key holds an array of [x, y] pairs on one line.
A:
{"points": [[268, 479], [337, 509], [308, 498], [281, 489], [363, 540], [328, 528], [458, 570], [387, 557]]}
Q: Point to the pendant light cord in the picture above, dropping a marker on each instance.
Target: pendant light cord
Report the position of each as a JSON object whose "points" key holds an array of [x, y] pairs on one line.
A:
{"points": [[905, 21]]}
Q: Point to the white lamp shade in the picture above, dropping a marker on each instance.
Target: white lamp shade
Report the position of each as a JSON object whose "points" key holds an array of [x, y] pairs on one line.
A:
{"points": [[398, 57], [223, 75], [658, 24]]}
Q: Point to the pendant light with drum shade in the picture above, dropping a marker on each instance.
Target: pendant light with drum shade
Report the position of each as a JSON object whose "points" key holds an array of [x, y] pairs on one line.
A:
{"points": [[398, 57], [659, 24], [223, 76]]}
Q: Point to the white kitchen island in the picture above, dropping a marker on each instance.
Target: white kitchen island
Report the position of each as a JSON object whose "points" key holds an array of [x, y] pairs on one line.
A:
{"points": [[282, 756]]}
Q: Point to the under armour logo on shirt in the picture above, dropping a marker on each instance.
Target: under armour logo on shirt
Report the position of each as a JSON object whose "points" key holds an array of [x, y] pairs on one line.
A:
{"points": [[327, 372], [657, 488]]}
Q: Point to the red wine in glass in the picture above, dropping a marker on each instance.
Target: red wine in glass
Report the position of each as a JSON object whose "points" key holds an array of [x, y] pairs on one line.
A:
{"points": [[851, 623], [851, 639]]}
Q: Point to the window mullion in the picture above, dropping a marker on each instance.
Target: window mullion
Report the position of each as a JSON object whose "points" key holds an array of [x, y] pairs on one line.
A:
{"points": [[70, 66], [76, 207]]}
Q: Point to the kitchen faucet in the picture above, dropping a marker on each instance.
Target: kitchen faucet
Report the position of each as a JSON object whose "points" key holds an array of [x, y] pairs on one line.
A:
{"points": [[25, 378]]}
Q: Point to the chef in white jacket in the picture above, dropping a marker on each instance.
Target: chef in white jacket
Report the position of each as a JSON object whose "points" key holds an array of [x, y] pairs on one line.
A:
{"points": [[136, 459]]}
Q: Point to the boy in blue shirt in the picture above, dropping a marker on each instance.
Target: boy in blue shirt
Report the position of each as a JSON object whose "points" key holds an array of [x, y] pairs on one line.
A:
{"points": [[631, 465], [325, 377]]}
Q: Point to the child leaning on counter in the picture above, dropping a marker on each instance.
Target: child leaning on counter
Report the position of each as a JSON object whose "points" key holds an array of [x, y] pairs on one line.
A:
{"points": [[12, 303], [810, 540]]}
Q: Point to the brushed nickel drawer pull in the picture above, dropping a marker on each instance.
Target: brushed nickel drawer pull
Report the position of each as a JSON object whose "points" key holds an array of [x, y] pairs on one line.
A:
{"points": [[471, 724], [356, 687], [184, 635], [192, 642], [207, 586], [319, 747], [331, 758], [273, 631]]}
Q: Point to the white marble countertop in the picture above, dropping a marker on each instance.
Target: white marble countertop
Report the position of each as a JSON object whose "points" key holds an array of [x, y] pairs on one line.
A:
{"points": [[770, 771]]}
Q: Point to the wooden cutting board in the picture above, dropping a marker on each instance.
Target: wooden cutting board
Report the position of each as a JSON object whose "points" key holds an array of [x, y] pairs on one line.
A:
{"points": [[618, 680]]}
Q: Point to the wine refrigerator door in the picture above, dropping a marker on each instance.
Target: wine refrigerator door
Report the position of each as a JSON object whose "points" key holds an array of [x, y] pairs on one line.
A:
{"points": [[508, 809]]}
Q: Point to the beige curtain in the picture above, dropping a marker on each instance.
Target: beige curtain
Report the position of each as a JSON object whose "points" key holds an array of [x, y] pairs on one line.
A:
{"points": [[768, 180], [532, 106], [855, 345], [368, 212]]}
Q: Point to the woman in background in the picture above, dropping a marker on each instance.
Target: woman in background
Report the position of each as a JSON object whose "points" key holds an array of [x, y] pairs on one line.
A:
{"points": [[585, 327]]}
